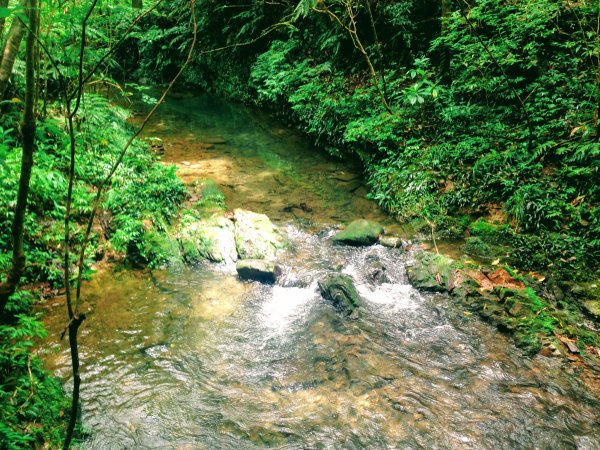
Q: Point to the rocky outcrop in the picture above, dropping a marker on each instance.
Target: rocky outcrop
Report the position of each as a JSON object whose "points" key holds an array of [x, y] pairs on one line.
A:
{"points": [[492, 292], [255, 235], [258, 269], [359, 233], [339, 289]]}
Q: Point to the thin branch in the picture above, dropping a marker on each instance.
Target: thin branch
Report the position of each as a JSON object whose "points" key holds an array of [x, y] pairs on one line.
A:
{"points": [[264, 33], [79, 90], [353, 32], [119, 42], [117, 163]]}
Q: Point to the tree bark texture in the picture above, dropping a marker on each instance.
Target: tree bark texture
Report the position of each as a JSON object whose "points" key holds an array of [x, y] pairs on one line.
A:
{"points": [[28, 126], [10, 50], [3, 4]]}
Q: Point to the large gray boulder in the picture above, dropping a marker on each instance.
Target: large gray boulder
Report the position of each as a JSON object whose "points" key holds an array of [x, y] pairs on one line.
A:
{"points": [[359, 233], [255, 235], [209, 239], [339, 289], [258, 269]]}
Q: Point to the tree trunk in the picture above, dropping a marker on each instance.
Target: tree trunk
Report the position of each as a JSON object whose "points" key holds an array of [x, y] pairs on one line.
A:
{"points": [[11, 48], [3, 4], [28, 135]]}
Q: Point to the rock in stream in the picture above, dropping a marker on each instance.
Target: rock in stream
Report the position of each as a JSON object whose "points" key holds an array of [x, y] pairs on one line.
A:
{"points": [[359, 233], [340, 290]]}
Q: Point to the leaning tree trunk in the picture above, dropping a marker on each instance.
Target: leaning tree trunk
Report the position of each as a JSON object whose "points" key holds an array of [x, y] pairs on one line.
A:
{"points": [[11, 48], [28, 135]]}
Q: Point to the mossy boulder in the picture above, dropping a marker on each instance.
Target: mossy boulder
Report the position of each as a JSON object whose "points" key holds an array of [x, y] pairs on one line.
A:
{"points": [[592, 308], [359, 233], [392, 242], [255, 235], [339, 289], [432, 272], [208, 239], [587, 296], [258, 269]]}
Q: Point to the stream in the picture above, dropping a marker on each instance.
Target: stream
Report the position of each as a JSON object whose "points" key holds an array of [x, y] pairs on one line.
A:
{"points": [[195, 358]]}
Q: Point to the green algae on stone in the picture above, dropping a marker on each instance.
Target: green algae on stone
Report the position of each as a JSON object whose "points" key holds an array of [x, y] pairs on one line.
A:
{"points": [[208, 239], [474, 246], [340, 290], [210, 200], [431, 272], [359, 232]]}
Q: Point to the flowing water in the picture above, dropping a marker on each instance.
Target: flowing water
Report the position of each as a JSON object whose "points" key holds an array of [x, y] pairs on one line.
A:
{"points": [[197, 359]]}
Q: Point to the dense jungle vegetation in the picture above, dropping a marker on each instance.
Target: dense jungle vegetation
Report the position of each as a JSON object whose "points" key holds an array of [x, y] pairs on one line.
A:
{"points": [[471, 119]]}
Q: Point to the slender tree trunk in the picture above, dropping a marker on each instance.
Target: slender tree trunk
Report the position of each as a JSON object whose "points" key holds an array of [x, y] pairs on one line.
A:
{"points": [[28, 136], [11, 48], [3, 4]]}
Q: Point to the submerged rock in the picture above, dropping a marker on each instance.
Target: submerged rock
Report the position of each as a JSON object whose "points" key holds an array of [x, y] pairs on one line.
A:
{"points": [[340, 290], [255, 235], [360, 232], [258, 270], [211, 239], [375, 270]]}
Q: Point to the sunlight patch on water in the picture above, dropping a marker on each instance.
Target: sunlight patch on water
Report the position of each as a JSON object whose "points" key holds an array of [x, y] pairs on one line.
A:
{"points": [[218, 298]]}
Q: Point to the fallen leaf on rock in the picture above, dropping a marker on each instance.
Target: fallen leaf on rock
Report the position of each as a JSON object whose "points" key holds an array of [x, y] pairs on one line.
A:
{"points": [[569, 343], [502, 278], [539, 277], [438, 278], [483, 281]]}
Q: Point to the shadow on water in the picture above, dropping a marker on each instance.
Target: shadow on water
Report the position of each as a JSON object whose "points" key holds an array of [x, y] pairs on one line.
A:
{"points": [[196, 358]]}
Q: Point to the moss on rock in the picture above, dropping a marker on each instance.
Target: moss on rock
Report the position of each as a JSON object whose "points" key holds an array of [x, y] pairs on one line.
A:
{"points": [[360, 232]]}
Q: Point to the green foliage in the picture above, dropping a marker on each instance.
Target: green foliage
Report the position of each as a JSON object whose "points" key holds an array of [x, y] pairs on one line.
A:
{"points": [[32, 402], [512, 127], [141, 189]]}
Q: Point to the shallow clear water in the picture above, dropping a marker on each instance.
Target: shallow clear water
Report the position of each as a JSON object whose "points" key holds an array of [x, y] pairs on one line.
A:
{"points": [[196, 358], [260, 164]]}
